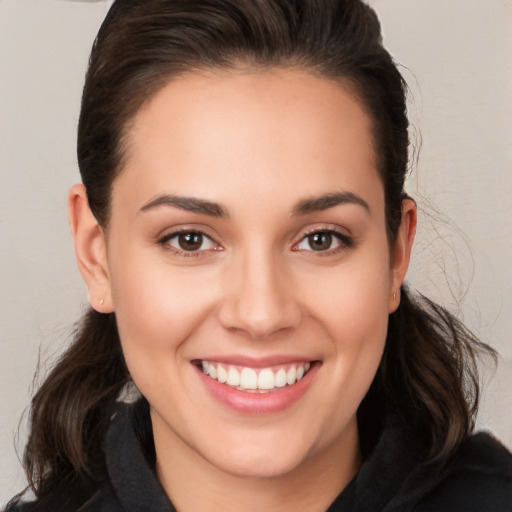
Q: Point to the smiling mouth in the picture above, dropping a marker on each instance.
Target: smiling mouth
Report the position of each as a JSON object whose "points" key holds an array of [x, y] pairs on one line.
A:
{"points": [[251, 380]]}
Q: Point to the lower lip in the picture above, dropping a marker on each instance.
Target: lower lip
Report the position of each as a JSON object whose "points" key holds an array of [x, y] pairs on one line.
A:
{"points": [[270, 402]]}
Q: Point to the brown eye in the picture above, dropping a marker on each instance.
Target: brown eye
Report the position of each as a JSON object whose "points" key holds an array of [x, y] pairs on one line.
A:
{"points": [[190, 241], [320, 241], [324, 241]]}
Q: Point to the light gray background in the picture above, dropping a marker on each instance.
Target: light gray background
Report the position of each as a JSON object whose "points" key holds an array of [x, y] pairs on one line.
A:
{"points": [[458, 55]]}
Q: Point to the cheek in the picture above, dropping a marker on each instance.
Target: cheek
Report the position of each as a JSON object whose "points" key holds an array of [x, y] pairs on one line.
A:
{"points": [[157, 307], [351, 304], [352, 300]]}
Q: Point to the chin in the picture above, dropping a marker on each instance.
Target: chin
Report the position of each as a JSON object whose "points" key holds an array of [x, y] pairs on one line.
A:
{"points": [[258, 466], [267, 457]]}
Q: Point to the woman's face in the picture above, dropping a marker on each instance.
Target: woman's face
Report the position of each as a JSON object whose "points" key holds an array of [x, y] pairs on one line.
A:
{"points": [[247, 240]]}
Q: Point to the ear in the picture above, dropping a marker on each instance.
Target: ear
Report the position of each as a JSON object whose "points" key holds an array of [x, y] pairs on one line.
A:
{"points": [[401, 253], [90, 249]]}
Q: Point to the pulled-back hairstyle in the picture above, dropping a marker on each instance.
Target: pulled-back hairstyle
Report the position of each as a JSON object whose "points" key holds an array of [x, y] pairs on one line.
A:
{"points": [[428, 371]]}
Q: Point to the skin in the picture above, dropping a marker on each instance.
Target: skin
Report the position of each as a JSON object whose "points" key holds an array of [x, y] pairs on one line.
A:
{"points": [[257, 144]]}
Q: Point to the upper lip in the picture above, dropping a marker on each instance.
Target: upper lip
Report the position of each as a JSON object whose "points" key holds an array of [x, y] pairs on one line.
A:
{"points": [[256, 362]]}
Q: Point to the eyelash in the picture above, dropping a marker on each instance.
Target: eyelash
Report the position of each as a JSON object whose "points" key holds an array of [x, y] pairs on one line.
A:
{"points": [[345, 242], [164, 241]]}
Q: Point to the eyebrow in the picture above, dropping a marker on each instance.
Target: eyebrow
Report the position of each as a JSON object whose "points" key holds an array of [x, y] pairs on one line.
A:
{"points": [[327, 201], [190, 204], [304, 207]]}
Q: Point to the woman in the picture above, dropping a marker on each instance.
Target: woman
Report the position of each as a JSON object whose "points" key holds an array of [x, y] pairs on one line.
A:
{"points": [[244, 235]]}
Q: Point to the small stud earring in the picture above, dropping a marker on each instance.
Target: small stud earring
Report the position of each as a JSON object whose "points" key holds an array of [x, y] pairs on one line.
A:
{"points": [[394, 297], [101, 302]]}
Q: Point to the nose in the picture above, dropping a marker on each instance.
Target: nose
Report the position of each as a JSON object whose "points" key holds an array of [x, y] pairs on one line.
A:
{"points": [[259, 298]]}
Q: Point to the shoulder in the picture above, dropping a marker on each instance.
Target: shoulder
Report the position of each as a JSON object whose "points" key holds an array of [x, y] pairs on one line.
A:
{"points": [[103, 500], [119, 481], [478, 478]]}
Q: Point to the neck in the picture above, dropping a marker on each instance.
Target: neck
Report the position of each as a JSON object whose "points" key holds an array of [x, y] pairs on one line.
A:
{"points": [[193, 483]]}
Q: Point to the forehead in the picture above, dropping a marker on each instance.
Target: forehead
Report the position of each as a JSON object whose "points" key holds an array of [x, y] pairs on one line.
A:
{"points": [[249, 133]]}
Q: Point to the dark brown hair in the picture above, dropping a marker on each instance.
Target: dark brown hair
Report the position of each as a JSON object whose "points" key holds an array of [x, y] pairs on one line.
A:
{"points": [[428, 372]]}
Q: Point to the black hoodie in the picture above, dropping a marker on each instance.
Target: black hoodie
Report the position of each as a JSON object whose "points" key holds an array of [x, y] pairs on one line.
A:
{"points": [[393, 478]]}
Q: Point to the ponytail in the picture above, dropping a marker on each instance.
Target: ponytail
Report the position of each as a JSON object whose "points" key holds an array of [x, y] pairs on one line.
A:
{"points": [[70, 412], [429, 373]]}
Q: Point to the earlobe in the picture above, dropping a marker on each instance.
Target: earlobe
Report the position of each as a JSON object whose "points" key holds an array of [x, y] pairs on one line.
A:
{"points": [[90, 249], [401, 254]]}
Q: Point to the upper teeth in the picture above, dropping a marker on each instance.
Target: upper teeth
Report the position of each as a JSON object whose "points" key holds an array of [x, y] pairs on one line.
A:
{"points": [[245, 378]]}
